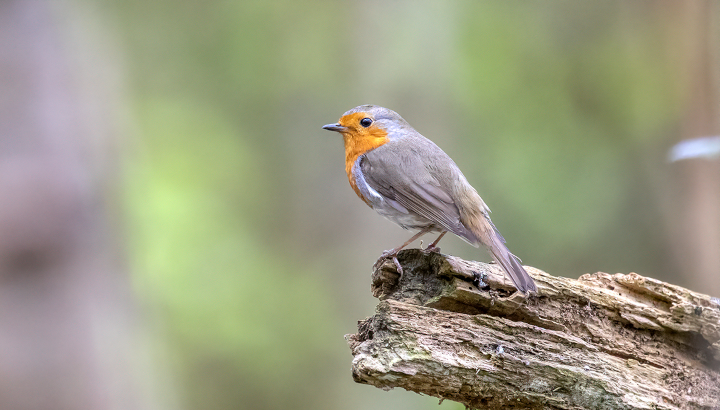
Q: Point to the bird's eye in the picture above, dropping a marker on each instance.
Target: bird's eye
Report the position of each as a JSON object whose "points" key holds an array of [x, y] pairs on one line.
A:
{"points": [[365, 122]]}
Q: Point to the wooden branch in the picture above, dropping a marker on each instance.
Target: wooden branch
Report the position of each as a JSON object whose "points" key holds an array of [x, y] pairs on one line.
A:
{"points": [[599, 342]]}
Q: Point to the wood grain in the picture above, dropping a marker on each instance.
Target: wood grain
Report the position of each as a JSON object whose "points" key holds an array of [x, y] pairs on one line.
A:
{"points": [[599, 342]]}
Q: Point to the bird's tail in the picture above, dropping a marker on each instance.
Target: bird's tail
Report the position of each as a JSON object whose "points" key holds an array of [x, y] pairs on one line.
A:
{"points": [[477, 219], [509, 262]]}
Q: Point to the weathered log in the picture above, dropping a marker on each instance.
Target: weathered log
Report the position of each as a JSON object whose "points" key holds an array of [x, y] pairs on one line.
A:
{"points": [[599, 342]]}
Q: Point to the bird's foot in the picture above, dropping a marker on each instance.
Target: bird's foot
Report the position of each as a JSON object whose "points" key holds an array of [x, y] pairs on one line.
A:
{"points": [[432, 248], [391, 254]]}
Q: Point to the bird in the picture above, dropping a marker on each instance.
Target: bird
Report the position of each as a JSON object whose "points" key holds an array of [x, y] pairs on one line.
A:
{"points": [[411, 181]]}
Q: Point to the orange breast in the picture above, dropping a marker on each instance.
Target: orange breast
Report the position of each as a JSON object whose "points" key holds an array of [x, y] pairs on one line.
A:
{"points": [[358, 141]]}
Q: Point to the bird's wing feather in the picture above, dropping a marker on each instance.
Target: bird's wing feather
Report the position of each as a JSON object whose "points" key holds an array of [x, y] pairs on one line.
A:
{"points": [[413, 186]]}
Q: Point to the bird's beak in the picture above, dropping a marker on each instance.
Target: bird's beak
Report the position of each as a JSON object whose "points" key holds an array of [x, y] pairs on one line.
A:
{"points": [[334, 127]]}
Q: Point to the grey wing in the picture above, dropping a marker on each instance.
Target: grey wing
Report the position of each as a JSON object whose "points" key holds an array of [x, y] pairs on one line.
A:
{"points": [[406, 180]]}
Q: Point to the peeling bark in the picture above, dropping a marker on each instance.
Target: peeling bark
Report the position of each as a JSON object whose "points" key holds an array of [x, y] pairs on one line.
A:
{"points": [[599, 342]]}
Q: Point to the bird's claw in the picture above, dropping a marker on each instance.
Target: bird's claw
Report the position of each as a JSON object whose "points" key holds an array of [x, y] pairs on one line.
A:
{"points": [[391, 254], [397, 265], [432, 248]]}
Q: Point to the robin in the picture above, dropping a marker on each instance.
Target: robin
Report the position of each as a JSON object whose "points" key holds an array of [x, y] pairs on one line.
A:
{"points": [[409, 180]]}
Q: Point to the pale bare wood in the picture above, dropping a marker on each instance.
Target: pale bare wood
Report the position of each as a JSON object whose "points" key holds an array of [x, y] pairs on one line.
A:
{"points": [[599, 342]]}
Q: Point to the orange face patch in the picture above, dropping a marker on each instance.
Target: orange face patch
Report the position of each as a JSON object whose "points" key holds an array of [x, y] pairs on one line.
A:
{"points": [[359, 140]]}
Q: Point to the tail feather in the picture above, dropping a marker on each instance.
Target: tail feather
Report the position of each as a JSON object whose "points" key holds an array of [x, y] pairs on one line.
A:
{"points": [[475, 217], [510, 264]]}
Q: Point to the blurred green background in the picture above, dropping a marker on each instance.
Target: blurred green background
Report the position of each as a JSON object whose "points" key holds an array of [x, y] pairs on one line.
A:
{"points": [[249, 253]]}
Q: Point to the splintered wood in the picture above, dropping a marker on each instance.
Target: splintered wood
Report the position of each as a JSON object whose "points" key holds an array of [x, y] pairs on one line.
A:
{"points": [[599, 342]]}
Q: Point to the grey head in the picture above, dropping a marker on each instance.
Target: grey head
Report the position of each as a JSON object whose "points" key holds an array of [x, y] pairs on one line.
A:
{"points": [[386, 118]]}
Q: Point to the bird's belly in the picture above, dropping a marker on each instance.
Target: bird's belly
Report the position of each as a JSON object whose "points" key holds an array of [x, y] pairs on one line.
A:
{"points": [[407, 220]]}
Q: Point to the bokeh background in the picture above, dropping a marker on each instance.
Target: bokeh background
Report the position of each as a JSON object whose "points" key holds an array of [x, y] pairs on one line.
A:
{"points": [[177, 232]]}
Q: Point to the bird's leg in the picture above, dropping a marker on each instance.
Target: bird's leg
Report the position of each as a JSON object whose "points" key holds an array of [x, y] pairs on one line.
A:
{"points": [[392, 253], [433, 246]]}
